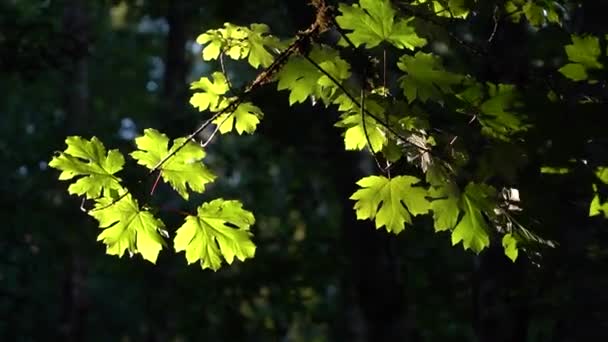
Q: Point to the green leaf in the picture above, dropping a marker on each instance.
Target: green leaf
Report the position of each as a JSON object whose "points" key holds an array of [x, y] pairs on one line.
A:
{"points": [[239, 42], [426, 78], [391, 202], [373, 22], [509, 243], [472, 229], [596, 206], [355, 137], [184, 169], [447, 8], [574, 71], [245, 118], [88, 158], [496, 115], [583, 53], [220, 229], [303, 79], [445, 197], [126, 227], [213, 91], [534, 14]]}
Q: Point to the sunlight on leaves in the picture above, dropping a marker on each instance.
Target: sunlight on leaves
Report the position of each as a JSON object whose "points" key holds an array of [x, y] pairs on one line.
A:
{"points": [[183, 170], [219, 230]]}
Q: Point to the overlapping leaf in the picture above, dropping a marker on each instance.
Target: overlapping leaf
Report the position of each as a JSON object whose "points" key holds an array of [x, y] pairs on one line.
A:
{"points": [[373, 22], [360, 134], [220, 230], [390, 202], [303, 79], [88, 158], [473, 229], [240, 42], [211, 96], [583, 54], [445, 196], [496, 105], [127, 227], [183, 170], [447, 8], [426, 78]]}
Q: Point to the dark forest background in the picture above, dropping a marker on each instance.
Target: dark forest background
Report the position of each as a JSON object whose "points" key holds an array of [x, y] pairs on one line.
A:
{"points": [[111, 69]]}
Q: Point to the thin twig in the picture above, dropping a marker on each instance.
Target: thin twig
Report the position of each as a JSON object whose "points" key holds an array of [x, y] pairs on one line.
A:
{"points": [[352, 98], [369, 143]]}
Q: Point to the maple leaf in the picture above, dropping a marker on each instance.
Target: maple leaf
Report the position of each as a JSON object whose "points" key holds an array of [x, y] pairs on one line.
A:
{"points": [[213, 91], [182, 170], [239, 42], [472, 229], [245, 118], [496, 115], [426, 78], [373, 21], [445, 197], [583, 53], [88, 158], [303, 79], [391, 202], [220, 229], [126, 227], [355, 135]]}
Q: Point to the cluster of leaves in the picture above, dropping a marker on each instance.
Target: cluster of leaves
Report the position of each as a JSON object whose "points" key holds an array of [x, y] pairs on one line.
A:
{"points": [[127, 226], [436, 176]]}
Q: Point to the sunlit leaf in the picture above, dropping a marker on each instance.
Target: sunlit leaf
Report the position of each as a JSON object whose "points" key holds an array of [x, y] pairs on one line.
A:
{"points": [[373, 22], [212, 92], [219, 230], [183, 170], [473, 230], [127, 227], [245, 118], [509, 243], [390, 202], [88, 158], [426, 78]]}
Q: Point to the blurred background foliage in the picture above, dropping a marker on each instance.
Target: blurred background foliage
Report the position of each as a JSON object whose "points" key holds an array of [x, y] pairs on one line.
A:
{"points": [[112, 68]]}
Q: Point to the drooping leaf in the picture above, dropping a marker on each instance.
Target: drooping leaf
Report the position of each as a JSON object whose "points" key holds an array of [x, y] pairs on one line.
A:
{"points": [[184, 169], [355, 137], [426, 78], [373, 22], [88, 158], [509, 243], [390, 202], [220, 230], [245, 118], [127, 227], [473, 230], [212, 92], [303, 79], [445, 197]]}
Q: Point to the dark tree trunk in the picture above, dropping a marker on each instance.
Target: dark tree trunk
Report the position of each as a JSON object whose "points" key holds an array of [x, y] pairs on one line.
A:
{"points": [[175, 108], [76, 26]]}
